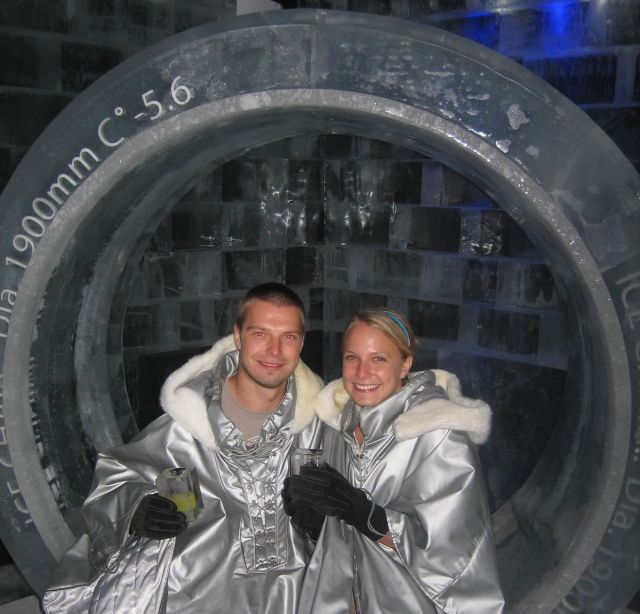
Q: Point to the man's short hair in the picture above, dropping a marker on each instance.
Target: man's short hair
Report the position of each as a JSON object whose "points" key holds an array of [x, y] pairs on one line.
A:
{"points": [[271, 292]]}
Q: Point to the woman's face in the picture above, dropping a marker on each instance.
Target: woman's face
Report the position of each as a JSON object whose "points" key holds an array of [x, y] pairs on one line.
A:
{"points": [[372, 365]]}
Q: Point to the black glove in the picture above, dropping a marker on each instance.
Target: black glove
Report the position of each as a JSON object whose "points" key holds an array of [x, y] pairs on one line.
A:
{"points": [[327, 492], [304, 518], [158, 518]]}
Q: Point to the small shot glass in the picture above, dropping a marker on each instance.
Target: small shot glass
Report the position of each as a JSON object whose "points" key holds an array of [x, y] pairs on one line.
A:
{"points": [[304, 457], [180, 484]]}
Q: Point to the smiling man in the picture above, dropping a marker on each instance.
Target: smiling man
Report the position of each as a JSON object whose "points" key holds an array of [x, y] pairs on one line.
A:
{"points": [[269, 335], [235, 414]]}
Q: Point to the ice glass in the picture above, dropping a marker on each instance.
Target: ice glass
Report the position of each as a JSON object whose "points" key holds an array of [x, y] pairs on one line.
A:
{"points": [[180, 484], [304, 457]]}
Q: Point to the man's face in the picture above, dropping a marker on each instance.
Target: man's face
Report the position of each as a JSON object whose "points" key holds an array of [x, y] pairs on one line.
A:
{"points": [[270, 343]]}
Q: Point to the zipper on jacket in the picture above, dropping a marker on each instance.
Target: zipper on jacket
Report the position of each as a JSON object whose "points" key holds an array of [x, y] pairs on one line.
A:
{"points": [[360, 454]]}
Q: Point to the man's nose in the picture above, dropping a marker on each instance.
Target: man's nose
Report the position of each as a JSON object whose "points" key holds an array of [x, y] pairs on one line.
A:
{"points": [[273, 346]]}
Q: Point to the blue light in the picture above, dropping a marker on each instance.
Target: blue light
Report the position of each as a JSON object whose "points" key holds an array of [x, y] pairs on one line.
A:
{"points": [[483, 30], [559, 18]]}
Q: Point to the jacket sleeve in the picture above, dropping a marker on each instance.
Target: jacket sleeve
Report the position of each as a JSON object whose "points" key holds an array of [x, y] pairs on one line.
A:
{"points": [[117, 490], [441, 526], [122, 477], [99, 571], [135, 584]]}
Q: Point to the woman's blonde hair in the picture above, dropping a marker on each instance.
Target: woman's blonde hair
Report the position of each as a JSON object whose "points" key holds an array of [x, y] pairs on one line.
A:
{"points": [[392, 323]]}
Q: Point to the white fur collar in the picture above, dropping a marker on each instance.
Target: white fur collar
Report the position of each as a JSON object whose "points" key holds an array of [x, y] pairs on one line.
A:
{"points": [[189, 409], [457, 413]]}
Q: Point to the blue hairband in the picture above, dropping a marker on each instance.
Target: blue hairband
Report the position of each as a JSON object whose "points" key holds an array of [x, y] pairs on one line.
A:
{"points": [[399, 323]]}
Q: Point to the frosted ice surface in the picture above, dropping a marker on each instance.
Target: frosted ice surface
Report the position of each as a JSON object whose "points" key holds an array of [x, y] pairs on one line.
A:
{"points": [[503, 145], [516, 117], [451, 96], [442, 74]]}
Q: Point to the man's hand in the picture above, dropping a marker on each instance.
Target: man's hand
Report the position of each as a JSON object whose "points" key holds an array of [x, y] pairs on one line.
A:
{"points": [[157, 517], [327, 492]]}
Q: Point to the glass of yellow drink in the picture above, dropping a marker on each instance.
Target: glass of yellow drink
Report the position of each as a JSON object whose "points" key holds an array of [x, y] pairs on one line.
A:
{"points": [[180, 484]]}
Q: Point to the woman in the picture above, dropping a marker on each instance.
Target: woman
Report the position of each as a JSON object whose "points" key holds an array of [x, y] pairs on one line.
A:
{"points": [[408, 530]]}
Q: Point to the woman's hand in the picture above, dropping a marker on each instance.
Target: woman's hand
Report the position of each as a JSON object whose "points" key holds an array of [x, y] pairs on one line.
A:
{"points": [[304, 518], [327, 492]]}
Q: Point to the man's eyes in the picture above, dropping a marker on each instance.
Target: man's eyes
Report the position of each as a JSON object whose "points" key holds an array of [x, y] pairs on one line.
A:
{"points": [[260, 334]]}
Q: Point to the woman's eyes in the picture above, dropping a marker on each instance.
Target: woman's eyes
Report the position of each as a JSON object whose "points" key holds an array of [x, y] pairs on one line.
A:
{"points": [[351, 357]]}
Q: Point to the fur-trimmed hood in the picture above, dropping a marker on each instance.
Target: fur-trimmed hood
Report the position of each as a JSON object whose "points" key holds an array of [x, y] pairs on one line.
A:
{"points": [[189, 408], [457, 412]]}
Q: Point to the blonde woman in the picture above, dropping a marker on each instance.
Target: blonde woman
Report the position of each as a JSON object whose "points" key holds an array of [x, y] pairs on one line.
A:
{"points": [[399, 510]]}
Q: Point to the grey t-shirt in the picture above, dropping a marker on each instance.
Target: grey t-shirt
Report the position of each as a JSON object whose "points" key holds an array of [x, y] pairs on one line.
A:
{"points": [[247, 421]]}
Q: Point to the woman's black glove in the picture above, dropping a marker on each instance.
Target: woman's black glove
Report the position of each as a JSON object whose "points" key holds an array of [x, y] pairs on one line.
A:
{"points": [[158, 518], [327, 492], [304, 518]]}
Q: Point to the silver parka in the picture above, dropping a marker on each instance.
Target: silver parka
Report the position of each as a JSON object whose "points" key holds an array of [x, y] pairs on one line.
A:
{"points": [[241, 554], [418, 462]]}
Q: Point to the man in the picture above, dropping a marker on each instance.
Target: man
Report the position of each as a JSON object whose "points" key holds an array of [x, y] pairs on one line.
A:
{"points": [[235, 416]]}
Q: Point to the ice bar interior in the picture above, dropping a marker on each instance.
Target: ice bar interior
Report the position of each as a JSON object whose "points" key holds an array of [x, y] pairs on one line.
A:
{"points": [[354, 215]]}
